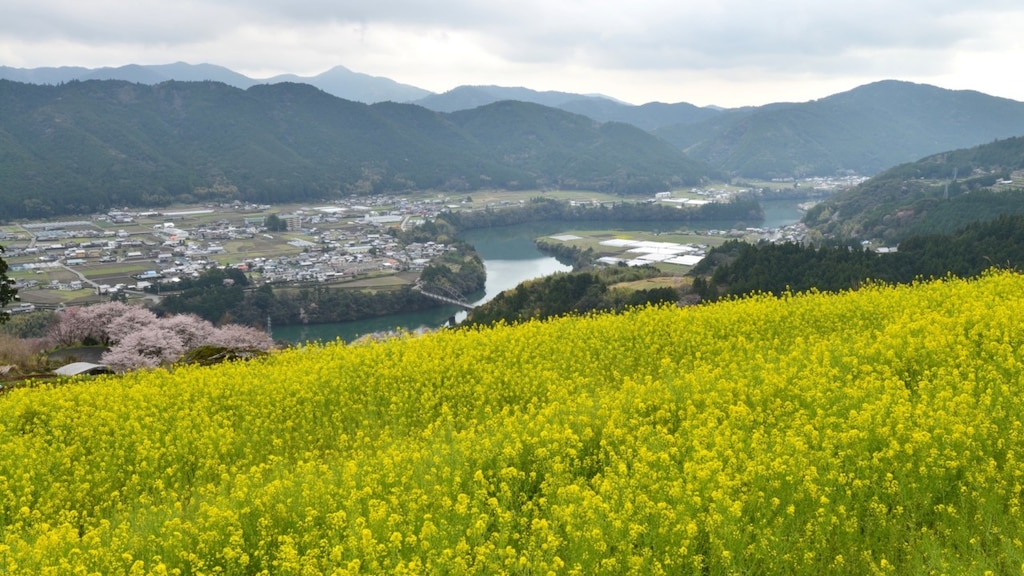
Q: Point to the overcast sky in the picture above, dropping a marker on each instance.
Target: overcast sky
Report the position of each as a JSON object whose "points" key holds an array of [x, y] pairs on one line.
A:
{"points": [[724, 52]]}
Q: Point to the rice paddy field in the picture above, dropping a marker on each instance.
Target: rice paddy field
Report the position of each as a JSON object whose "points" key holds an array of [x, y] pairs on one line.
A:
{"points": [[869, 432]]}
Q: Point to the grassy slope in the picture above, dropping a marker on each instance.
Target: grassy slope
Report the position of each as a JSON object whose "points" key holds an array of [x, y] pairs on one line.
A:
{"points": [[873, 431]]}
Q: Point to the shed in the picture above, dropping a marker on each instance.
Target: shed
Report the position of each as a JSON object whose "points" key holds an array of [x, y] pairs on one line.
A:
{"points": [[79, 368]]}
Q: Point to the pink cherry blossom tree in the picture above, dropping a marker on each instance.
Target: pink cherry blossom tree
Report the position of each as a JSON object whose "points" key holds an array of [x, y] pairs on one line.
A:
{"points": [[239, 337], [102, 315], [73, 326], [131, 320], [193, 330], [139, 339], [149, 348]]}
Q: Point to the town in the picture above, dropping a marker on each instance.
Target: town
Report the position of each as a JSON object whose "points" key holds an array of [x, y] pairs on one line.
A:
{"points": [[134, 253], [127, 252]]}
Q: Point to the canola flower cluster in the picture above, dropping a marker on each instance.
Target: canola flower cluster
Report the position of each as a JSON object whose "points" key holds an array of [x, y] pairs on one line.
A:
{"points": [[871, 432]]}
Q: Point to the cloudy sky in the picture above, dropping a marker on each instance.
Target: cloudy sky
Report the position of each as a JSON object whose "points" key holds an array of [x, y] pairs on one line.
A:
{"points": [[724, 52]]}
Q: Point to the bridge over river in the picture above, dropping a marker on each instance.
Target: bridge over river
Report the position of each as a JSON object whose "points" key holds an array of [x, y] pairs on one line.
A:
{"points": [[453, 298]]}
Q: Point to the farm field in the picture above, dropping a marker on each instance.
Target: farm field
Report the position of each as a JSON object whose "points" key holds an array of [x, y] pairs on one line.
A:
{"points": [[599, 242], [384, 280], [869, 432], [593, 238], [677, 282]]}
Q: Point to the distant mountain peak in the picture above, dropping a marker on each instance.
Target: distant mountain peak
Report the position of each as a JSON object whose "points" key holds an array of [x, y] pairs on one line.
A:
{"points": [[338, 81], [866, 129]]}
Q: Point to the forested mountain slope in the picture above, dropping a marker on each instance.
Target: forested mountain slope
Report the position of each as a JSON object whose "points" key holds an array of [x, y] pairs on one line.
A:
{"points": [[937, 194], [86, 146], [866, 130]]}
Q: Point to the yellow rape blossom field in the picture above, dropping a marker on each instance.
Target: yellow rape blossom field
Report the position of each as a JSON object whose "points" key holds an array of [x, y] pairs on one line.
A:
{"points": [[871, 432]]}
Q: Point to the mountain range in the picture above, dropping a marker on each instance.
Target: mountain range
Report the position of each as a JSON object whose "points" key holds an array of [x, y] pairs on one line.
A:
{"points": [[181, 131], [339, 81], [84, 146], [864, 130], [344, 83]]}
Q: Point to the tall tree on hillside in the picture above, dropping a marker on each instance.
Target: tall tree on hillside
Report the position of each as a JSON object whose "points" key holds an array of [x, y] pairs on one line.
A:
{"points": [[7, 291]]}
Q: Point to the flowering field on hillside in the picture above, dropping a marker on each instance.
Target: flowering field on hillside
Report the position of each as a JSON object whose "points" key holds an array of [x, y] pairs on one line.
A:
{"points": [[869, 432]]}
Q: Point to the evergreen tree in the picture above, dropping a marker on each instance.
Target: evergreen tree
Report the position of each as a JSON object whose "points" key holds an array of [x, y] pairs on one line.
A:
{"points": [[7, 291], [274, 223]]}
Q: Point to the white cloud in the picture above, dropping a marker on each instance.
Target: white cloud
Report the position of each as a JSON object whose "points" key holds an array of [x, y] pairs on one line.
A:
{"points": [[638, 50]]}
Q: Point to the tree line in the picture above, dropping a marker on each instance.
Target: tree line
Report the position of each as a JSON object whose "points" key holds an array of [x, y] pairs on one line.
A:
{"points": [[578, 292], [742, 208], [737, 268]]}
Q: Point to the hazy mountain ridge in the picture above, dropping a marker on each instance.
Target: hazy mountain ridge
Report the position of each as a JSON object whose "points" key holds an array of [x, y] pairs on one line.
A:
{"points": [[466, 97], [344, 83], [83, 146], [866, 130], [650, 116], [140, 73], [542, 139], [338, 81]]}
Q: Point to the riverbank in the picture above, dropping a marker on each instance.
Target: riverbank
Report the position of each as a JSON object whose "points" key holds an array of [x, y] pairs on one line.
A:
{"points": [[510, 256]]}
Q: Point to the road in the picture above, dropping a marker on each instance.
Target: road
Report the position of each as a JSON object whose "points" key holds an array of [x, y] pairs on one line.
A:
{"points": [[154, 298], [80, 276]]}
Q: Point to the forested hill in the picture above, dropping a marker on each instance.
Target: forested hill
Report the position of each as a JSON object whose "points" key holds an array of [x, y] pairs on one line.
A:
{"points": [[87, 146], [935, 195], [740, 268], [867, 130]]}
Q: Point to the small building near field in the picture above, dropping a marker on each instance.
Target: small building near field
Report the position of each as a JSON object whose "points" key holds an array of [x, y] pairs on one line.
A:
{"points": [[80, 368]]}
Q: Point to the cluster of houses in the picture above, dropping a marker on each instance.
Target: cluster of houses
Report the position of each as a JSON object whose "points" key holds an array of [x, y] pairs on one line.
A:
{"points": [[334, 254], [824, 183], [326, 262], [338, 250], [345, 239], [791, 233], [55, 244]]}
